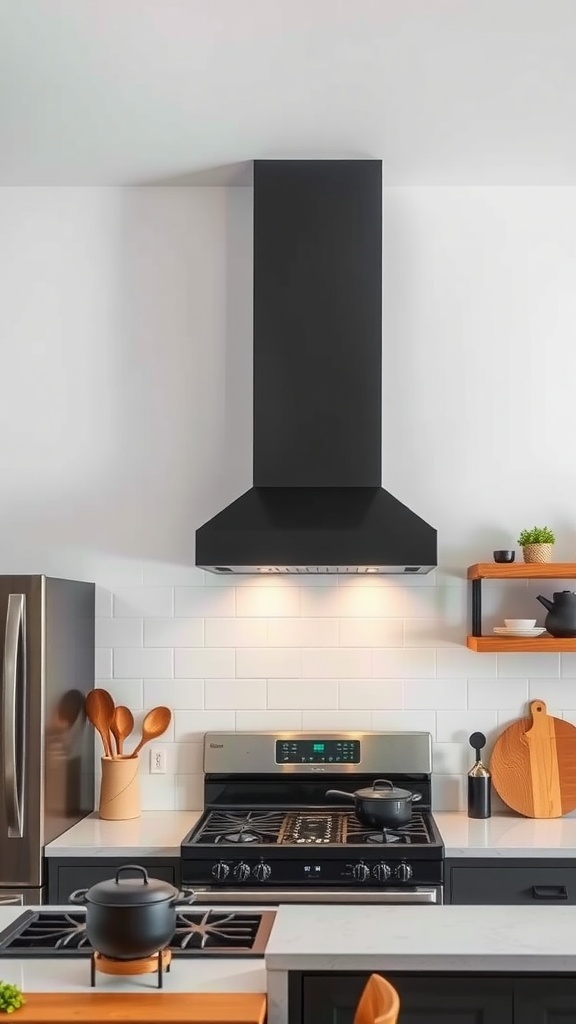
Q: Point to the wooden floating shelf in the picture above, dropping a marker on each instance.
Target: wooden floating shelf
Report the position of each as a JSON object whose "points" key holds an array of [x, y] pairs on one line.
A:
{"points": [[503, 645], [522, 571]]}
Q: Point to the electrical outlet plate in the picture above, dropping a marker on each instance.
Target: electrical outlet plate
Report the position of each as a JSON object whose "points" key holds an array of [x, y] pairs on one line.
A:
{"points": [[157, 761]]}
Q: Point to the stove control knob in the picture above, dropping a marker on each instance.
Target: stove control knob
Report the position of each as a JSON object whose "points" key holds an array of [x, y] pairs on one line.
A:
{"points": [[361, 871], [404, 872], [221, 870], [241, 871], [382, 871], [262, 871]]}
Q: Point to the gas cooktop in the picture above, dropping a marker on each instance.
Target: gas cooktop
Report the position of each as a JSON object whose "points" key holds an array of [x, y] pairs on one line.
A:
{"points": [[304, 828], [48, 933]]}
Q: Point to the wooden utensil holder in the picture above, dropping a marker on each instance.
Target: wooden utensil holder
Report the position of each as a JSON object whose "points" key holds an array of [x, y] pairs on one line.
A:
{"points": [[120, 788]]}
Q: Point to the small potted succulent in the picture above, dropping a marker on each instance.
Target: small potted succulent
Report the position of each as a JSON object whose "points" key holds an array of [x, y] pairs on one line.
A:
{"points": [[537, 544], [11, 997]]}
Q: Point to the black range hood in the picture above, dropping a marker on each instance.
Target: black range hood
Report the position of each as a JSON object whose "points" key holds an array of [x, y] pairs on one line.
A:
{"points": [[317, 504]]}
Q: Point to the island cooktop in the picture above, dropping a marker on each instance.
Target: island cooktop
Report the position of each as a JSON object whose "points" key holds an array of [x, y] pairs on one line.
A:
{"points": [[62, 933]]}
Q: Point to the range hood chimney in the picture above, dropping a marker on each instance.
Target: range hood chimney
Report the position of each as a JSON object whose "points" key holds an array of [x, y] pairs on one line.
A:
{"points": [[317, 504]]}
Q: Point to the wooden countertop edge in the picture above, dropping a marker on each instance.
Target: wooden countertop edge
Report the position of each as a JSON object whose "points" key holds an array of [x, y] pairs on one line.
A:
{"points": [[142, 1008]]}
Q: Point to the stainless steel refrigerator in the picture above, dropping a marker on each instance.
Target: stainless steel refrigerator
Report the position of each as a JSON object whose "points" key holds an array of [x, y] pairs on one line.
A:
{"points": [[46, 744]]}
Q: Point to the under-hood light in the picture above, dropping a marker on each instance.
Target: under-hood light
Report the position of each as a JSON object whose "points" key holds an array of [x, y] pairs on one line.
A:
{"points": [[314, 570]]}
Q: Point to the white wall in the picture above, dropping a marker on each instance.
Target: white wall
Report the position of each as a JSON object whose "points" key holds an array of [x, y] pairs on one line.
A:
{"points": [[125, 419]]}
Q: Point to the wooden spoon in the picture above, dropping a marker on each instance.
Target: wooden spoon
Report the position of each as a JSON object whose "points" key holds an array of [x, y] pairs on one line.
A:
{"points": [[122, 725], [100, 711], [155, 723]]}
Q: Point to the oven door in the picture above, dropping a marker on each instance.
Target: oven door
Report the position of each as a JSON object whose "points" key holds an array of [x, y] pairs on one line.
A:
{"points": [[430, 894]]}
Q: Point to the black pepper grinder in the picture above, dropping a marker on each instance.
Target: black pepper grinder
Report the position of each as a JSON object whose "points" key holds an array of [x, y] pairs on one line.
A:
{"points": [[478, 781]]}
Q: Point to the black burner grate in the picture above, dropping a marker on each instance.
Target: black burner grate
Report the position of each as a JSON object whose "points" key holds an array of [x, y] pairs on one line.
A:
{"points": [[306, 828], [198, 932]]}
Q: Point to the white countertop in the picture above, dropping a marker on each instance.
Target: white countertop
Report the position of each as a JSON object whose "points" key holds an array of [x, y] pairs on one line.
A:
{"points": [[506, 835], [153, 834], [159, 834], [436, 938], [66, 974]]}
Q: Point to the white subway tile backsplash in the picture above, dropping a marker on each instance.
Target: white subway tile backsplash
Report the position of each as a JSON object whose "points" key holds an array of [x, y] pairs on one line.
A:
{"points": [[333, 721], [118, 632], [188, 792], [448, 793], [315, 632], [236, 632], [451, 758], [568, 665], [129, 692], [264, 721], [173, 632], [457, 726], [103, 663], [434, 694], [295, 694], [204, 602], [158, 793], [464, 664], [190, 726], [359, 601], [519, 666], [203, 663], [371, 694], [267, 602], [496, 694], [320, 653], [143, 601], [178, 694], [334, 663], [232, 694], [371, 632], [410, 721], [131, 662], [559, 693], [274, 663], [398, 663], [103, 602]]}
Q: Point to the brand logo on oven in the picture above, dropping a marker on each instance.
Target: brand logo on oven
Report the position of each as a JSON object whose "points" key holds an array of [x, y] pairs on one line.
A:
{"points": [[317, 768], [216, 746]]}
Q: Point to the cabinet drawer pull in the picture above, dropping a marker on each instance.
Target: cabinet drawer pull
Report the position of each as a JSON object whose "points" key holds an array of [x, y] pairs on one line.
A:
{"points": [[549, 892]]}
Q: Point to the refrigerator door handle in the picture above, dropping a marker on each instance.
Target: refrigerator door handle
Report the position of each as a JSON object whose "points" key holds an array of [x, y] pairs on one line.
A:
{"points": [[14, 766]]}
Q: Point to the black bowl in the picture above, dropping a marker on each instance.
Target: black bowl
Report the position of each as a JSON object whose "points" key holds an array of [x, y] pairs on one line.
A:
{"points": [[504, 556]]}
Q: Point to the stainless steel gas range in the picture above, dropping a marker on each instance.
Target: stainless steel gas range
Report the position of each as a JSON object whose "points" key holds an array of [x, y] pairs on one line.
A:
{"points": [[269, 833]]}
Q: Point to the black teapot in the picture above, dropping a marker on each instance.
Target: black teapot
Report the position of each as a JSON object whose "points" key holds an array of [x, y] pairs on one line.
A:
{"points": [[561, 618]]}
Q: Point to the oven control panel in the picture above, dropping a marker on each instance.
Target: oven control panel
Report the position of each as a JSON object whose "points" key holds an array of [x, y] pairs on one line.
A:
{"points": [[250, 871], [312, 751]]}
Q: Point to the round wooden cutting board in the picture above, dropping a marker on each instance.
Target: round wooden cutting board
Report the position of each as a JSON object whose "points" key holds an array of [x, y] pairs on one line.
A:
{"points": [[533, 765]]}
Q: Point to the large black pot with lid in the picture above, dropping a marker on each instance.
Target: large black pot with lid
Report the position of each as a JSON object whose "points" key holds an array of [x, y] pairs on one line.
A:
{"points": [[382, 805], [128, 918]]}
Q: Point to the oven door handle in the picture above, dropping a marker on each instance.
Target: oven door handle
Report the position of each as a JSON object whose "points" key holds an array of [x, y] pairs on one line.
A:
{"points": [[261, 896]]}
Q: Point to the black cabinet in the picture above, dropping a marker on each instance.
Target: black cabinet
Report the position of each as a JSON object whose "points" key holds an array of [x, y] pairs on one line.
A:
{"points": [[65, 874], [439, 998], [545, 1001], [424, 999], [511, 881]]}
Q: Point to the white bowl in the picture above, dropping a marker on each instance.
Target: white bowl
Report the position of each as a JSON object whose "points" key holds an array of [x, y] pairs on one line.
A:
{"points": [[520, 623]]}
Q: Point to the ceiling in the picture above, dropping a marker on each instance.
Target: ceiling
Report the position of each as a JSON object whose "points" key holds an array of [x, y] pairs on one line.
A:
{"points": [[146, 91]]}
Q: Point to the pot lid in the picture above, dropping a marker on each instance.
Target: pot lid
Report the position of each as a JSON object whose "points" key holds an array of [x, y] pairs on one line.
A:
{"points": [[383, 789], [131, 892]]}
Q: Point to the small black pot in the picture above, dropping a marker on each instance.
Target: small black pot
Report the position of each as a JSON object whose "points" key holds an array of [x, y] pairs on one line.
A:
{"points": [[381, 805], [130, 918]]}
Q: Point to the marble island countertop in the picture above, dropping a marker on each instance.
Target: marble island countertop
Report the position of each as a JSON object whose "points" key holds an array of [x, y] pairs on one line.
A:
{"points": [[159, 834], [411, 938]]}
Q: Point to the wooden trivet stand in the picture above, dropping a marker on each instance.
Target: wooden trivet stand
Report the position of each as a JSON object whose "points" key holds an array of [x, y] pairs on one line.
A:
{"points": [[157, 963]]}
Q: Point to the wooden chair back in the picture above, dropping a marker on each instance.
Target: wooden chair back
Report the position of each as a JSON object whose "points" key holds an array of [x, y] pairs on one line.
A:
{"points": [[379, 1003]]}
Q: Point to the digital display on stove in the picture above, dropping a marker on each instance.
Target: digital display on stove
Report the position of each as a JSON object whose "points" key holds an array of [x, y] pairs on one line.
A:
{"points": [[318, 752]]}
